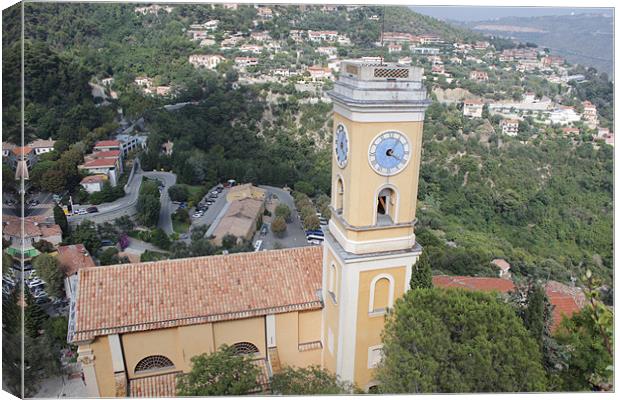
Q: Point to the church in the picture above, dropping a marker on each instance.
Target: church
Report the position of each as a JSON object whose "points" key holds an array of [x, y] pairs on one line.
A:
{"points": [[137, 326]]}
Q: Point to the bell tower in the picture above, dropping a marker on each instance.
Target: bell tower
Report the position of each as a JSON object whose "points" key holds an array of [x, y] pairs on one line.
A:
{"points": [[370, 245]]}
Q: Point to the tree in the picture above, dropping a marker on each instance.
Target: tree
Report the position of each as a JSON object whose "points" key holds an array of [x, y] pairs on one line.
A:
{"points": [[312, 222], [160, 239], [34, 316], [220, 373], [229, 241], [60, 219], [109, 256], [86, 234], [124, 224], [589, 336], [178, 193], [48, 268], [422, 277], [148, 209], [308, 381], [452, 340], [278, 226], [282, 210], [44, 246]]}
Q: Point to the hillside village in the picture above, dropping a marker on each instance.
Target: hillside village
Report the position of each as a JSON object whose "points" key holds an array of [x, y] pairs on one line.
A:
{"points": [[220, 142]]}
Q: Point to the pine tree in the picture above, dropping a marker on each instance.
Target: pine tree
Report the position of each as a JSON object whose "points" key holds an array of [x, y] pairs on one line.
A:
{"points": [[421, 277], [34, 317]]}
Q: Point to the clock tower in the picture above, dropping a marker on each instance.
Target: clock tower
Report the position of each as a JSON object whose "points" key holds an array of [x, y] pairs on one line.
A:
{"points": [[370, 245]]}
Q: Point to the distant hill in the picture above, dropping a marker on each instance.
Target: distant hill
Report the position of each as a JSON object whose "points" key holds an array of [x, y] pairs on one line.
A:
{"points": [[585, 39]]}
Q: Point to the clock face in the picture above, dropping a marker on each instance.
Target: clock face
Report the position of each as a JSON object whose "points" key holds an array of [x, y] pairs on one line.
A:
{"points": [[389, 153], [341, 145]]}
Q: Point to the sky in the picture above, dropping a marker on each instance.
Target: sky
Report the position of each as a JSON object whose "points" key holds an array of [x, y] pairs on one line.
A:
{"points": [[482, 13]]}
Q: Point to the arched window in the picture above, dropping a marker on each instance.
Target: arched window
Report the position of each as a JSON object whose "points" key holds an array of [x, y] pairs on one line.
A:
{"points": [[243, 348], [153, 363], [332, 283], [386, 206], [381, 294], [339, 195]]}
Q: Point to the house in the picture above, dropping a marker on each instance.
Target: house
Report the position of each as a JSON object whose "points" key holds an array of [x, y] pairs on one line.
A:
{"points": [[552, 61], [153, 9], [251, 48], [589, 114], [503, 266], [609, 139], [143, 81], [243, 62], [479, 76], [264, 12], [230, 42], [565, 300], [322, 36], [72, 258], [105, 145], [34, 230], [473, 108], [430, 39], [602, 132], [564, 115], [395, 48], [240, 219], [438, 69], [318, 73], [209, 61], [127, 142], [295, 34], [207, 42], [167, 148], [41, 146], [94, 183], [456, 60], [106, 160], [330, 52], [245, 191], [425, 50], [510, 127], [208, 26], [481, 45], [107, 81], [260, 36], [570, 131], [399, 37]]}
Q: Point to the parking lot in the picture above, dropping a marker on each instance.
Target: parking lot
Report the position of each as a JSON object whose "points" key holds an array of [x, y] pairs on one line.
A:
{"points": [[37, 287]]}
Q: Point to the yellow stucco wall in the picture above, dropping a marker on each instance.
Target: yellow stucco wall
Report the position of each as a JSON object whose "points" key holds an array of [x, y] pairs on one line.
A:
{"points": [[331, 318], [369, 327], [290, 327], [361, 182], [164, 342], [103, 366], [250, 330]]}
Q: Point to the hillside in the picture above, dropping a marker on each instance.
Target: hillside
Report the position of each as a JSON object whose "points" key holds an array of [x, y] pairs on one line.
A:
{"points": [[585, 39]]}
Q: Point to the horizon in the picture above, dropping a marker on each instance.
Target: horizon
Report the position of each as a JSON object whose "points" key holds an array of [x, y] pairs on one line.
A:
{"points": [[486, 13]]}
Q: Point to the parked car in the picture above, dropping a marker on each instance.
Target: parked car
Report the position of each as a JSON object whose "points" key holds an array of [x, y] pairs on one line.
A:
{"points": [[92, 209], [107, 242]]}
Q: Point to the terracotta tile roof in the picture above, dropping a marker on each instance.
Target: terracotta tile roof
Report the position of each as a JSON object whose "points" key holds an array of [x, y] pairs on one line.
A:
{"points": [[108, 143], [12, 226], [168, 293], [94, 179], [566, 301], [501, 264], [98, 163], [22, 151], [74, 257], [42, 143], [8, 146], [473, 283], [154, 386], [106, 154]]}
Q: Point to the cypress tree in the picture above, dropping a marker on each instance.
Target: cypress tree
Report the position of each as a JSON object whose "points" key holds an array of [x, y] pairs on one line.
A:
{"points": [[421, 276]]}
